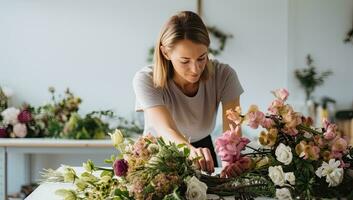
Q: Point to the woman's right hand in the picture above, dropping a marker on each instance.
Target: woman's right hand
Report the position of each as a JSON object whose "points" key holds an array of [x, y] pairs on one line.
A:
{"points": [[205, 161]]}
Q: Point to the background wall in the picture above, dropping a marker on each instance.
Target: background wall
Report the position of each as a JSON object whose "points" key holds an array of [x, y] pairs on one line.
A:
{"points": [[95, 47]]}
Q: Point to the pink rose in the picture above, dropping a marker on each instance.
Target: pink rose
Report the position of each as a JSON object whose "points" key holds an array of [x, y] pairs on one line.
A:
{"points": [[281, 94], [20, 130]]}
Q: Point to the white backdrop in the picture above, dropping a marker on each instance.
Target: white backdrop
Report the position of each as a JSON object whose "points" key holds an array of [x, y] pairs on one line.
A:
{"points": [[95, 47]]}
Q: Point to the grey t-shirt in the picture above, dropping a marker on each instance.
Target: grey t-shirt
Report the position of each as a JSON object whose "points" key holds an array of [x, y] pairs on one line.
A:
{"points": [[194, 116]]}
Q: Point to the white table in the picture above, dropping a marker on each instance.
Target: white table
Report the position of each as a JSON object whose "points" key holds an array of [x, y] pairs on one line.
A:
{"points": [[46, 146]]}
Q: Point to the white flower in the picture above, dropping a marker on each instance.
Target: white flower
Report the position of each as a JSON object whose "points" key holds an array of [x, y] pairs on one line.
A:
{"points": [[153, 148], [277, 175], [290, 178], [283, 194], [10, 115], [8, 92], [117, 137], [20, 130], [196, 190], [332, 171], [284, 154]]}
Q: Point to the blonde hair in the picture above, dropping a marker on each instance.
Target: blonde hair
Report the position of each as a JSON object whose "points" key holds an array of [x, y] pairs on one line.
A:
{"points": [[184, 25]]}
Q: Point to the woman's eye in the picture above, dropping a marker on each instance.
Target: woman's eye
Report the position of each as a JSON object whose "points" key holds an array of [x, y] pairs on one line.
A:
{"points": [[201, 59], [185, 62]]}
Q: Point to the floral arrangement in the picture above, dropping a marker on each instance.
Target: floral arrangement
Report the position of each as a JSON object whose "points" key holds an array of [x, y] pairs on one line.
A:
{"points": [[58, 119], [17, 122], [294, 161], [301, 161]]}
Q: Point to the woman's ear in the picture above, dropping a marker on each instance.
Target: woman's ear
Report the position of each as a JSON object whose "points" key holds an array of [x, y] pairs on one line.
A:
{"points": [[164, 52]]}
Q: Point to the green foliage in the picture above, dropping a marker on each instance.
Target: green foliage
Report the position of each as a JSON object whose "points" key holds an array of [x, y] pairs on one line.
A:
{"points": [[309, 78]]}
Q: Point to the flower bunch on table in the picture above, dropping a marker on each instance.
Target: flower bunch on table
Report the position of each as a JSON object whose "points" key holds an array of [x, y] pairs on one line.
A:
{"points": [[301, 161], [17, 122]]}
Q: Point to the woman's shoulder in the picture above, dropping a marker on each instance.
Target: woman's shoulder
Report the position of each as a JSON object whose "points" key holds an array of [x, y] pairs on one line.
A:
{"points": [[221, 69], [144, 74]]}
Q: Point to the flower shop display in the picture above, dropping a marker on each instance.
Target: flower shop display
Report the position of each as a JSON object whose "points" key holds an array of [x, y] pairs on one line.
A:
{"points": [[294, 161], [59, 119]]}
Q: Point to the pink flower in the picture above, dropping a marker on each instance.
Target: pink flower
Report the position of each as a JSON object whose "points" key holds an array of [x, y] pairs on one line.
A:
{"points": [[20, 130], [281, 94], [230, 145], [267, 123], [24, 116], [254, 117], [120, 167], [275, 106], [237, 168], [330, 130], [339, 145]]}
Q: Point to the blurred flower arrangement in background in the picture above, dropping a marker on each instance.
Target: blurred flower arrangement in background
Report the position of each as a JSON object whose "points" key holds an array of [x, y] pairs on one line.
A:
{"points": [[59, 119], [309, 78]]}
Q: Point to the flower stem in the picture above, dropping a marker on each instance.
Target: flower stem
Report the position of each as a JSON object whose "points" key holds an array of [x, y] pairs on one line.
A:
{"points": [[308, 129]]}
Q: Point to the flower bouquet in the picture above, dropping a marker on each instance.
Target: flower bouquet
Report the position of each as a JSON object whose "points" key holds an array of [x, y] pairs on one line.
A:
{"points": [[294, 160], [302, 161]]}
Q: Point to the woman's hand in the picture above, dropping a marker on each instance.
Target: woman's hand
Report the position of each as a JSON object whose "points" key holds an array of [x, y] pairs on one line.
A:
{"points": [[205, 161]]}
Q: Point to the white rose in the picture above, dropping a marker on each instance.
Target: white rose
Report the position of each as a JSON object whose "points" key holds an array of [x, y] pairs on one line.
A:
{"points": [[283, 194], [277, 175], [284, 154], [20, 130], [290, 178], [10, 115], [332, 171], [196, 190]]}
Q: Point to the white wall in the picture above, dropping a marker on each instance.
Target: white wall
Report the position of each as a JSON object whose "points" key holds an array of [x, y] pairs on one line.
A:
{"points": [[318, 27], [95, 47]]}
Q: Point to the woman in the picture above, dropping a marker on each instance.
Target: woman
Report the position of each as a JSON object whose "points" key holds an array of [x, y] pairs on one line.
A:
{"points": [[181, 92]]}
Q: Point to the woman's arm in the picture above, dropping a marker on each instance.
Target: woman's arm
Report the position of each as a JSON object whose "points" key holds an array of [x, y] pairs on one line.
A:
{"points": [[162, 121]]}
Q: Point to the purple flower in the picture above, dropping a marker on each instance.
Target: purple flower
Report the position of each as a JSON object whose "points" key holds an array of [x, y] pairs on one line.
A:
{"points": [[3, 133], [120, 167], [24, 116]]}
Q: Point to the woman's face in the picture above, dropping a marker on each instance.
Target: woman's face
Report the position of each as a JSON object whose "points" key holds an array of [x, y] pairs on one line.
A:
{"points": [[189, 60]]}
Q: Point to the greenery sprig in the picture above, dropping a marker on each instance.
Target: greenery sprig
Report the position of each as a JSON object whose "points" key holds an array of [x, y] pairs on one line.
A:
{"points": [[309, 78]]}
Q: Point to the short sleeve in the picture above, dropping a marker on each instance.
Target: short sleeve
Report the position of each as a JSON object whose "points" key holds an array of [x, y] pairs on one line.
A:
{"points": [[146, 94], [229, 87]]}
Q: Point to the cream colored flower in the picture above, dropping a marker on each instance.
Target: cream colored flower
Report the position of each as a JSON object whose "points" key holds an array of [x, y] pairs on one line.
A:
{"points": [[196, 190], [88, 166], [283, 194], [117, 137], [277, 175], [69, 175], [332, 171], [290, 177], [9, 115], [284, 154]]}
